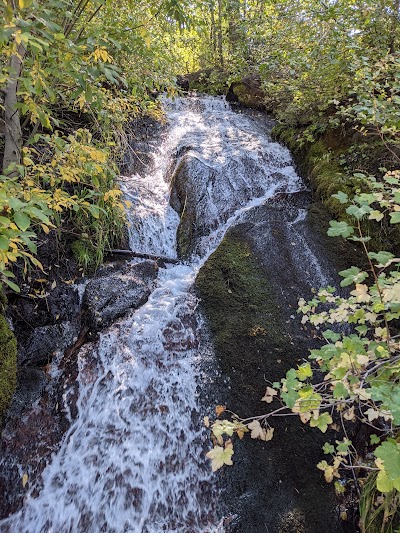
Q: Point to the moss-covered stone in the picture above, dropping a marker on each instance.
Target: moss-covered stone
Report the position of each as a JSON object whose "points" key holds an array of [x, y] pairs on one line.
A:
{"points": [[8, 365], [244, 318], [319, 162]]}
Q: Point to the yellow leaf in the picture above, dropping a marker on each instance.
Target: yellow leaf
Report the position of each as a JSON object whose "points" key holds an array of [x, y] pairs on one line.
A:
{"points": [[220, 456], [24, 480]]}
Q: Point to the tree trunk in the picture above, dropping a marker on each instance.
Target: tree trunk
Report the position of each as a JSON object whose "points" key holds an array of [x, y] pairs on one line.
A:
{"points": [[395, 22], [220, 51], [213, 30], [12, 123]]}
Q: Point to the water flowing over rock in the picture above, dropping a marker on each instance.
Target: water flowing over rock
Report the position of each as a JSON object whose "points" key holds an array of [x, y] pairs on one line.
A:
{"points": [[132, 458]]}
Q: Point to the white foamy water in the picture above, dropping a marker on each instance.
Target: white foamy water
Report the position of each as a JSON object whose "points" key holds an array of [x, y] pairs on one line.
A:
{"points": [[133, 459]]}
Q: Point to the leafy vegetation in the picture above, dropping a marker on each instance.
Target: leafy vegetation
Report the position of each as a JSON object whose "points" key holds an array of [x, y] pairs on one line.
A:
{"points": [[74, 72]]}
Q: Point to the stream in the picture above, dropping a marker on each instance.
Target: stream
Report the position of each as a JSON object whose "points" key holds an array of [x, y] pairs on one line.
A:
{"points": [[133, 459]]}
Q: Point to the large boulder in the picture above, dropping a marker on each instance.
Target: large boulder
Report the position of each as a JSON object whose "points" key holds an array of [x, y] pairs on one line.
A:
{"points": [[210, 81], [115, 291], [247, 92]]}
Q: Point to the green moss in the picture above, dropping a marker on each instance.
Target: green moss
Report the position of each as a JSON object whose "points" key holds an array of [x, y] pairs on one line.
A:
{"points": [[8, 365], [244, 318]]}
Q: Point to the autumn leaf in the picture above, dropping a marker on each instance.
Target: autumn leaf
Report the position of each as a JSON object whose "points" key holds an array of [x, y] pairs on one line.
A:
{"points": [[220, 456], [361, 293], [269, 395], [258, 432]]}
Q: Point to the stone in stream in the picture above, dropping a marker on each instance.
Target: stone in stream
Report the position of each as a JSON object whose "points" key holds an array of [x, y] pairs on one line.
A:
{"points": [[116, 290], [200, 193], [248, 92]]}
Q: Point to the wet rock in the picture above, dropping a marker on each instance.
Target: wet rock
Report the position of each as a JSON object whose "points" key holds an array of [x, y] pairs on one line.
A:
{"points": [[249, 289], [45, 341], [247, 92], [202, 195], [116, 291], [31, 384]]}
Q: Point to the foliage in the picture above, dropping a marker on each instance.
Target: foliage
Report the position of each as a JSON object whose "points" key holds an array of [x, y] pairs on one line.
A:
{"points": [[78, 74], [8, 364]]}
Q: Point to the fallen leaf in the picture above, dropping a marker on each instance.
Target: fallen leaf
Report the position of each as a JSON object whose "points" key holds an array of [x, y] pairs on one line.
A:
{"points": [[206, 421], [25, 479], [349, 414]]}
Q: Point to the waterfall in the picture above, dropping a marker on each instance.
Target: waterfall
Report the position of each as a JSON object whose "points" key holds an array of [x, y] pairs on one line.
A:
{"points": [[133, 460]]}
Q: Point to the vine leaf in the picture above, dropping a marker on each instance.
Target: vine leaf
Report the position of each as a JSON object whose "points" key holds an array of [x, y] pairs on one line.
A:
{"points": [[220, 456], [269, 395]]}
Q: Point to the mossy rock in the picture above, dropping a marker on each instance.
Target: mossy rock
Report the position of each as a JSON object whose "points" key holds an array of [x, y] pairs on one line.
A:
{"points": [[8, 365], [319, 162], [243, 316]]}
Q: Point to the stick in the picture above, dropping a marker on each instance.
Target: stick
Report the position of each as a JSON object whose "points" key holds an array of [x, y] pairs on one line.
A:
{"points": [[144, 256]]}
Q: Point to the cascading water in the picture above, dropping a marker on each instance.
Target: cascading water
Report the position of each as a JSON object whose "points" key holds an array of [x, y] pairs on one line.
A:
{"points": [[133, 459]]}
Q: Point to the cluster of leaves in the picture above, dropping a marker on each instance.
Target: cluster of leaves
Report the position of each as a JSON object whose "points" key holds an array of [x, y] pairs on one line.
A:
{"points": [[83, 65], [60, 176], [355, 374]]}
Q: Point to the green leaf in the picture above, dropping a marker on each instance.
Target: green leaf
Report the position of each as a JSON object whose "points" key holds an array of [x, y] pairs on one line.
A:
{"points": [[352, 275], [340, 229], [395, 217], [304, 371], [322, 422], [383, 482], [382, 258], [328, 448], [358, 212], [94, 210], [331, 335], [22, 220], [342, 197], [340, 391], [343, 446], [389, 452], [16, 204], [4, 243], [374, 439], [11, 284]]}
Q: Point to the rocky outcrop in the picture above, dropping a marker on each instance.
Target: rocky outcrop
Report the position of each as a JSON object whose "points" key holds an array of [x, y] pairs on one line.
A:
{"points": [[210, 81], [249, 289], [115, 291], [247, 92]]}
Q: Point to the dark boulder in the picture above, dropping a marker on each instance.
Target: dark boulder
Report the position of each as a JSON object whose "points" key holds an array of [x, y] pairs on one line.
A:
{"points": [[248, 92], [116, 291], [45, 341], [210, 81]]}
